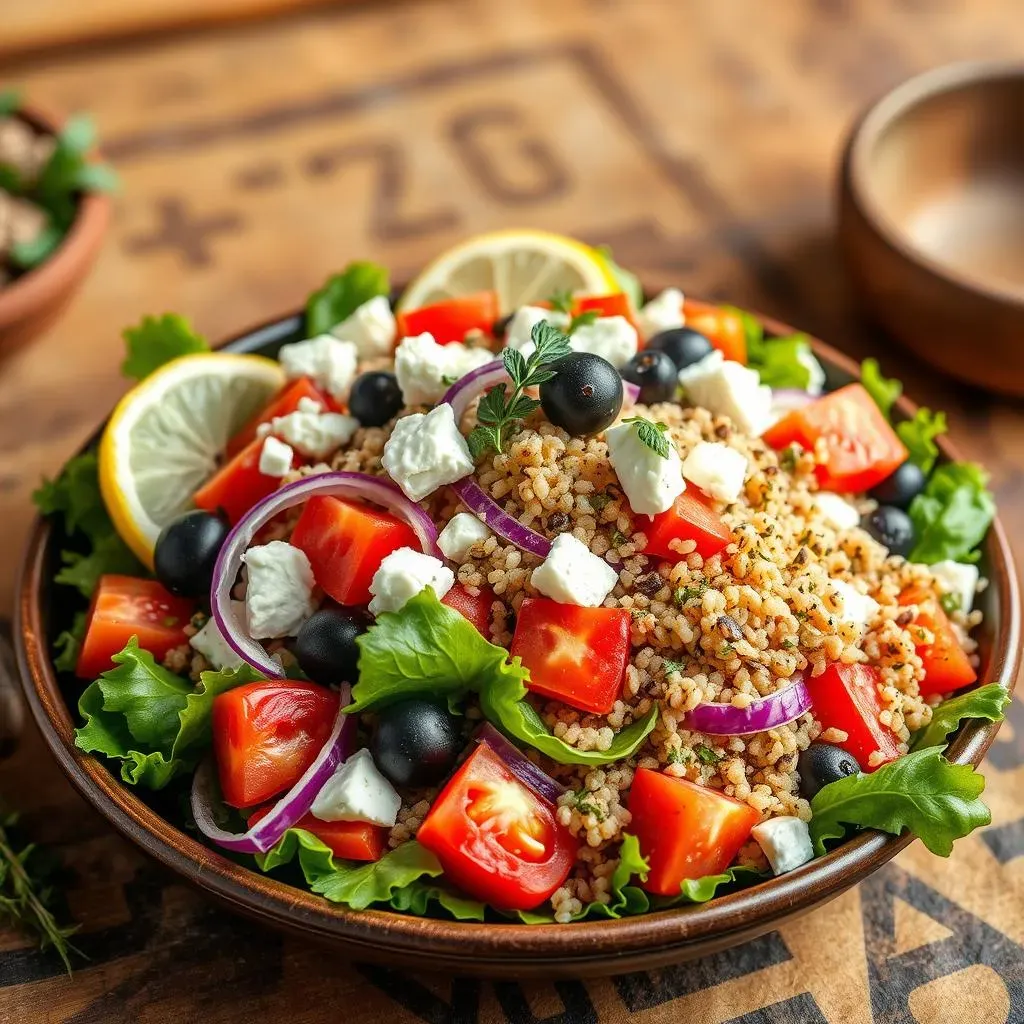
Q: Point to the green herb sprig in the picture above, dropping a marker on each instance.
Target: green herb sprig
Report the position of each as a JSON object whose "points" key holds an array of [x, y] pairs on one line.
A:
{"points": [[562, 302], [651, 434]]}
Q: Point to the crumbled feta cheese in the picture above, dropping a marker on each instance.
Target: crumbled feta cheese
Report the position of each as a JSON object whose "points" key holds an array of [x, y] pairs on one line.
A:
{"points": [[357, 792], [279, 594], [425, 370], [573, 574], [403, 574], [329, 361], [462, 532], [958, 579], [855, 608], [518, 334], [275, 457], [315, 434], [716, 469], [371, 328], [816, 382], [650, 482], [837, 512], [786, 842], [426, 451], [612, 337], [210, 642], [730, 389], [662, 313], [307, 404]]}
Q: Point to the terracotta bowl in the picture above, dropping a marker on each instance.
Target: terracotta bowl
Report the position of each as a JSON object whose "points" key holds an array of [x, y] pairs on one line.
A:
{"points": [[34, 301], [931, 219], [491, 950]]}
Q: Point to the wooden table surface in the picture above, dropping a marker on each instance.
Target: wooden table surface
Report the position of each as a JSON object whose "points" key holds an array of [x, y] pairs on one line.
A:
{"points": [[700, 140]]}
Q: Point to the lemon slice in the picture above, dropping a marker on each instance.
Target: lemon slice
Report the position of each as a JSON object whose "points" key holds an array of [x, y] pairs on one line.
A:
{"points": [[521, 266], [166, 435]]}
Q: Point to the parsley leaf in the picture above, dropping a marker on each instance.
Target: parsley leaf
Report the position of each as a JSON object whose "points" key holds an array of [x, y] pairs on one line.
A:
{"points": [[584, 319], [952, 514], [684, 594], [989, 701], [706, 755], [883, 390], [919, 434], [158, 340], [652, 435], [561, 301], [342, 294]]}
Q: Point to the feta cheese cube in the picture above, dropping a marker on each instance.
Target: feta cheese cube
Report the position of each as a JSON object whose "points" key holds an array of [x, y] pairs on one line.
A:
{"points": [[730, 389], [371, 328], [786, 842], [426, 451], [573, 574], [650, 482], [405, 573], [855, 608], [276, 457], [662, 313], [279, 595], [836, 511], [816, 382], [330, 362], [461, 533], [425, 369], [958, 579], [310, 405], [716, 469], [520, 327], [612, 337], [210, 642], [315, 434], [358, 792]]}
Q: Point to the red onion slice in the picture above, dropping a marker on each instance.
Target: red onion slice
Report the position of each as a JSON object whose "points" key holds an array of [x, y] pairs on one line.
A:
{"points": [[630, 392], [787, 399], [767, 713], [291, 807], [229, 562], [519, 764]]}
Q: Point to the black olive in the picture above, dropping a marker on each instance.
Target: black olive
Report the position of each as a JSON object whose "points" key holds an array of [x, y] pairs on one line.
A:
{"points": [[326, 647], [901, 487], [584, 396], [416, 742], [186, 552], [656, 373], [892, 527], [375, 398], [500, 327], [822, 763], [683, 345]]}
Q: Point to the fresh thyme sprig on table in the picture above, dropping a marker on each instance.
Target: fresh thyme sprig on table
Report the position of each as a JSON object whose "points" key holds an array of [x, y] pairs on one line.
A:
{"points": [[500, 411]]}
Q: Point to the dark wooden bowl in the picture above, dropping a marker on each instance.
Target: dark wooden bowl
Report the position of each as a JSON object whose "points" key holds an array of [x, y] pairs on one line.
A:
{"points": [[931, 219], [491, 950]]}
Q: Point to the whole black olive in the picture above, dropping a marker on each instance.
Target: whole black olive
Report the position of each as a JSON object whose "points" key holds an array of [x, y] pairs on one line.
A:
{"points": [[655, 373], [822, 763], [375, 398], [584, 396], [901, 487], [186, 552], [416, 742], [326, 648], [683, 345], [892, 527]]}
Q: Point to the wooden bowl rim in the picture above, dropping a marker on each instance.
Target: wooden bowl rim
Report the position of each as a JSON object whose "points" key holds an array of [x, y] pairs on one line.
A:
{"points": [[477, 944], [858, 180]]}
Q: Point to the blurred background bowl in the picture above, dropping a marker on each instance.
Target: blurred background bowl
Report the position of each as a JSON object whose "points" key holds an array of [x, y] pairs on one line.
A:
{"points": [[931, 219]]}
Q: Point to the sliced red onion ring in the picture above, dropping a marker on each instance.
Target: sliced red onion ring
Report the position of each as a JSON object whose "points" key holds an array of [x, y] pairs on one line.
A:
{"points": [[291, 807], [229, 562], [767, 713], [476, 382], [631, 392], [519, 764]]}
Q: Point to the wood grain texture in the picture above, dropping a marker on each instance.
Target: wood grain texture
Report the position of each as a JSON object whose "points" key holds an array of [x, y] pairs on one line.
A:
{"points": [[700, 141]]}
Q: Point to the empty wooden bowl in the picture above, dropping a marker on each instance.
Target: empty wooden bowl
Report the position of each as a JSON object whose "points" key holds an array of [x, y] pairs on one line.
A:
{"points": [[931, 219]]}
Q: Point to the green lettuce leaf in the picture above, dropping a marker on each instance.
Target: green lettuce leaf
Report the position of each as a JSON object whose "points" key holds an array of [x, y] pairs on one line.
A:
{"points": [[919, 434], [627, 281], [700, 890], [921, 791], [69, 643], [109, 554], [360, 885], [158, 340], [952, 514], [883, 390], [989, 701], [780, 362], [341, 295]]}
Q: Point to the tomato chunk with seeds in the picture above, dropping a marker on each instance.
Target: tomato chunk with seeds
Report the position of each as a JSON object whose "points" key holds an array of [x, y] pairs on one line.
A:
{"points": [[685, 831], [576, 655], [691, 517], [452, 319], [239, 486], [123, 607], [286, 401], [722, 327], [861, 448], [350, 840], [846, 697], [946, 664], [475, 607], [345, 543], [496, 839]]}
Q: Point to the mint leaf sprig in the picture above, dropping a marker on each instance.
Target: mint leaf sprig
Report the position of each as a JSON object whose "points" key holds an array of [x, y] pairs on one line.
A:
{"points": [[651, 434], [500, 410], [562, 302]]}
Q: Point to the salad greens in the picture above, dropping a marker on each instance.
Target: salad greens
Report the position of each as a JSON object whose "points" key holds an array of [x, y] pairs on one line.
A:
{"points": [[884, 390], [780, 362], [158, 340], [952, 514], [342, 294], [989, 701]]}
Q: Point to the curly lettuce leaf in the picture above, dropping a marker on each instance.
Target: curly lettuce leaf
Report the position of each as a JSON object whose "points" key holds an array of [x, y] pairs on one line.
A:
{"points": [[156, 341], [884, 390], [919, 433], [342, 294], [780, 362], [989, 701], [921, 791], [69, 643], [700, 890], [952, 514]]}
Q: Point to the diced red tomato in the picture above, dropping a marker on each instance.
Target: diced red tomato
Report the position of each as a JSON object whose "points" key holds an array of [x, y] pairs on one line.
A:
{"points": [[497, 840], [685, 830], [617, 304], [123, 607], [286, 401], [475, 607], [239, 485], [691, 517], [345, 543], [576, 655], [862, 447], [723, 328], [266, 734], [946, 665], [350, 840], [846, 697], [452, 319]]}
